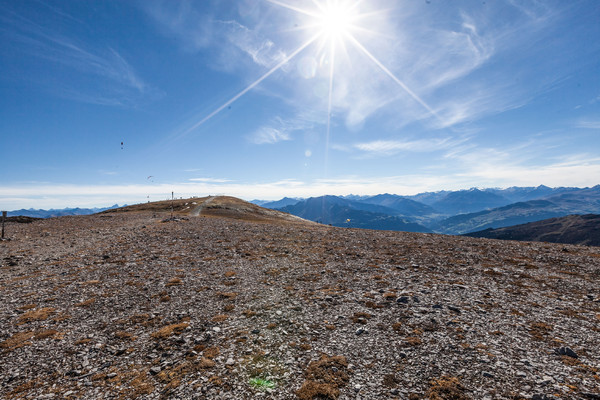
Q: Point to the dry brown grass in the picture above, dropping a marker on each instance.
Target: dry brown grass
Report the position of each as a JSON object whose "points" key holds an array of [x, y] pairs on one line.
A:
{"points": [[172, 376], [539, 330], [206, 363], [219, 318], [314, 390], [173, 329], [211, 352], [131, 383], [86, 303], [25, 387], [446, 388], [390, 381], [229, 308], [390, 296], [227, 295], [360, 317], [124, 335], [413, 341], [35, 315], [46, 333], [305, 346], [174, 282], [324, 378], [17, 340], [141, 385], [372, 304], [165, 298]]}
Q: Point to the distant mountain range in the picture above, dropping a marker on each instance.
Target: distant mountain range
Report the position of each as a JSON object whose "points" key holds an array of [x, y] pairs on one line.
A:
{"points": [[38, 213], [573, 229], [448, 212], [286, 201], [577, 201], [341, 212]]}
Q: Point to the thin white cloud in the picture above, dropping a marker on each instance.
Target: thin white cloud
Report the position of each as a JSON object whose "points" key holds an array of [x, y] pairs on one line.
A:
{"points": [[444, 64], [521, 164], [180, 19], [583, 172], [452, 54], [576, 170], [390, 147], [119, 83], [269, 135], [426, 61], [210, 180], [588, 124], [261, 49], [279, 130], [106, 172], [196, 29]]}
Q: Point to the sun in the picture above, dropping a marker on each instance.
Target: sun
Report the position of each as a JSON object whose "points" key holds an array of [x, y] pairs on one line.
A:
{"points": [[333, 27], [336, 18]]}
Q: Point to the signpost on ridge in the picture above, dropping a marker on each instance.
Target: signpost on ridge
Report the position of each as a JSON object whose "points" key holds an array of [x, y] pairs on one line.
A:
{"points": [[3, 219]]}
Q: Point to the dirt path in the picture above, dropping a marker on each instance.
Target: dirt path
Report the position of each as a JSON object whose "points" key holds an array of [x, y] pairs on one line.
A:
{"points": [[196, 212]]}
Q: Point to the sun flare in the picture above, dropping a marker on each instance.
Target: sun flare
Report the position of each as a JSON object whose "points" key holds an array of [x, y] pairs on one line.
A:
{"points": [[336, 18], [332, 27]]}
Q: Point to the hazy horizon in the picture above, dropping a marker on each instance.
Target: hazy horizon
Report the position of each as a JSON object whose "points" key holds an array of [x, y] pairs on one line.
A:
{"points": [[106, 102], [167, 196]]}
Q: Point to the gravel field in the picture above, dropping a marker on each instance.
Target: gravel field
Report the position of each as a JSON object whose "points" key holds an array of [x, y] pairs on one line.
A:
{"points": [[132, 305]]}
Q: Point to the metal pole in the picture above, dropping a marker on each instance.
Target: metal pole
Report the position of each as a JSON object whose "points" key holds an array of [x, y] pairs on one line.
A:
{"points": [[3, 219], [172, 193]]}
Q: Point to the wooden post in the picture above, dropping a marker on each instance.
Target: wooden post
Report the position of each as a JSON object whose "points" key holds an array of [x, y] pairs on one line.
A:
{"points": [[3, 219], [172, 194]]}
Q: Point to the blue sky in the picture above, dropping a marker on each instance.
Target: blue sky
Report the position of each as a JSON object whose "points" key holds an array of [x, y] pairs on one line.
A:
{"points": [[263, 99]]}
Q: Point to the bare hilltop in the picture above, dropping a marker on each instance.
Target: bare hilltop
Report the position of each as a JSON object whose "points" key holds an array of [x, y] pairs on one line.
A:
{"points": [[216, 298]]}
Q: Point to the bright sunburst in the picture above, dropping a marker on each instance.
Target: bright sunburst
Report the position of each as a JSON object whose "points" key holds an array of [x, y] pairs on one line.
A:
{"points": [[334, 24], [336, 18]]}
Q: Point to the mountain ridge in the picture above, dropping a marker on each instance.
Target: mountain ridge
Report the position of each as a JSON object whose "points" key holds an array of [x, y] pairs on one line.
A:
{"points": [[394, 212], [572, 229]]}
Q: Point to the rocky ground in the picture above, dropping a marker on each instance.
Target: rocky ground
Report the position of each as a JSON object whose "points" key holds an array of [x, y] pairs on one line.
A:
{"points": [[133, 305]]}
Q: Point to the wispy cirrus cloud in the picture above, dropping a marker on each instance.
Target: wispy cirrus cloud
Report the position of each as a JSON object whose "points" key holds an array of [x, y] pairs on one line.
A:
{"points": [[588, 123], [262, 50], [192, 28], [580, 171], [270, 135], [440, 74], [390, 147], [197, 30], [104, 76], [450, 54], [406, 64], [279, 129], [210, 180]]}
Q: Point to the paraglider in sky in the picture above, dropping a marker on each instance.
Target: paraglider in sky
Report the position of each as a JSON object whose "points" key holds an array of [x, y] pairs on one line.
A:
{"points": [[121, 145]]}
